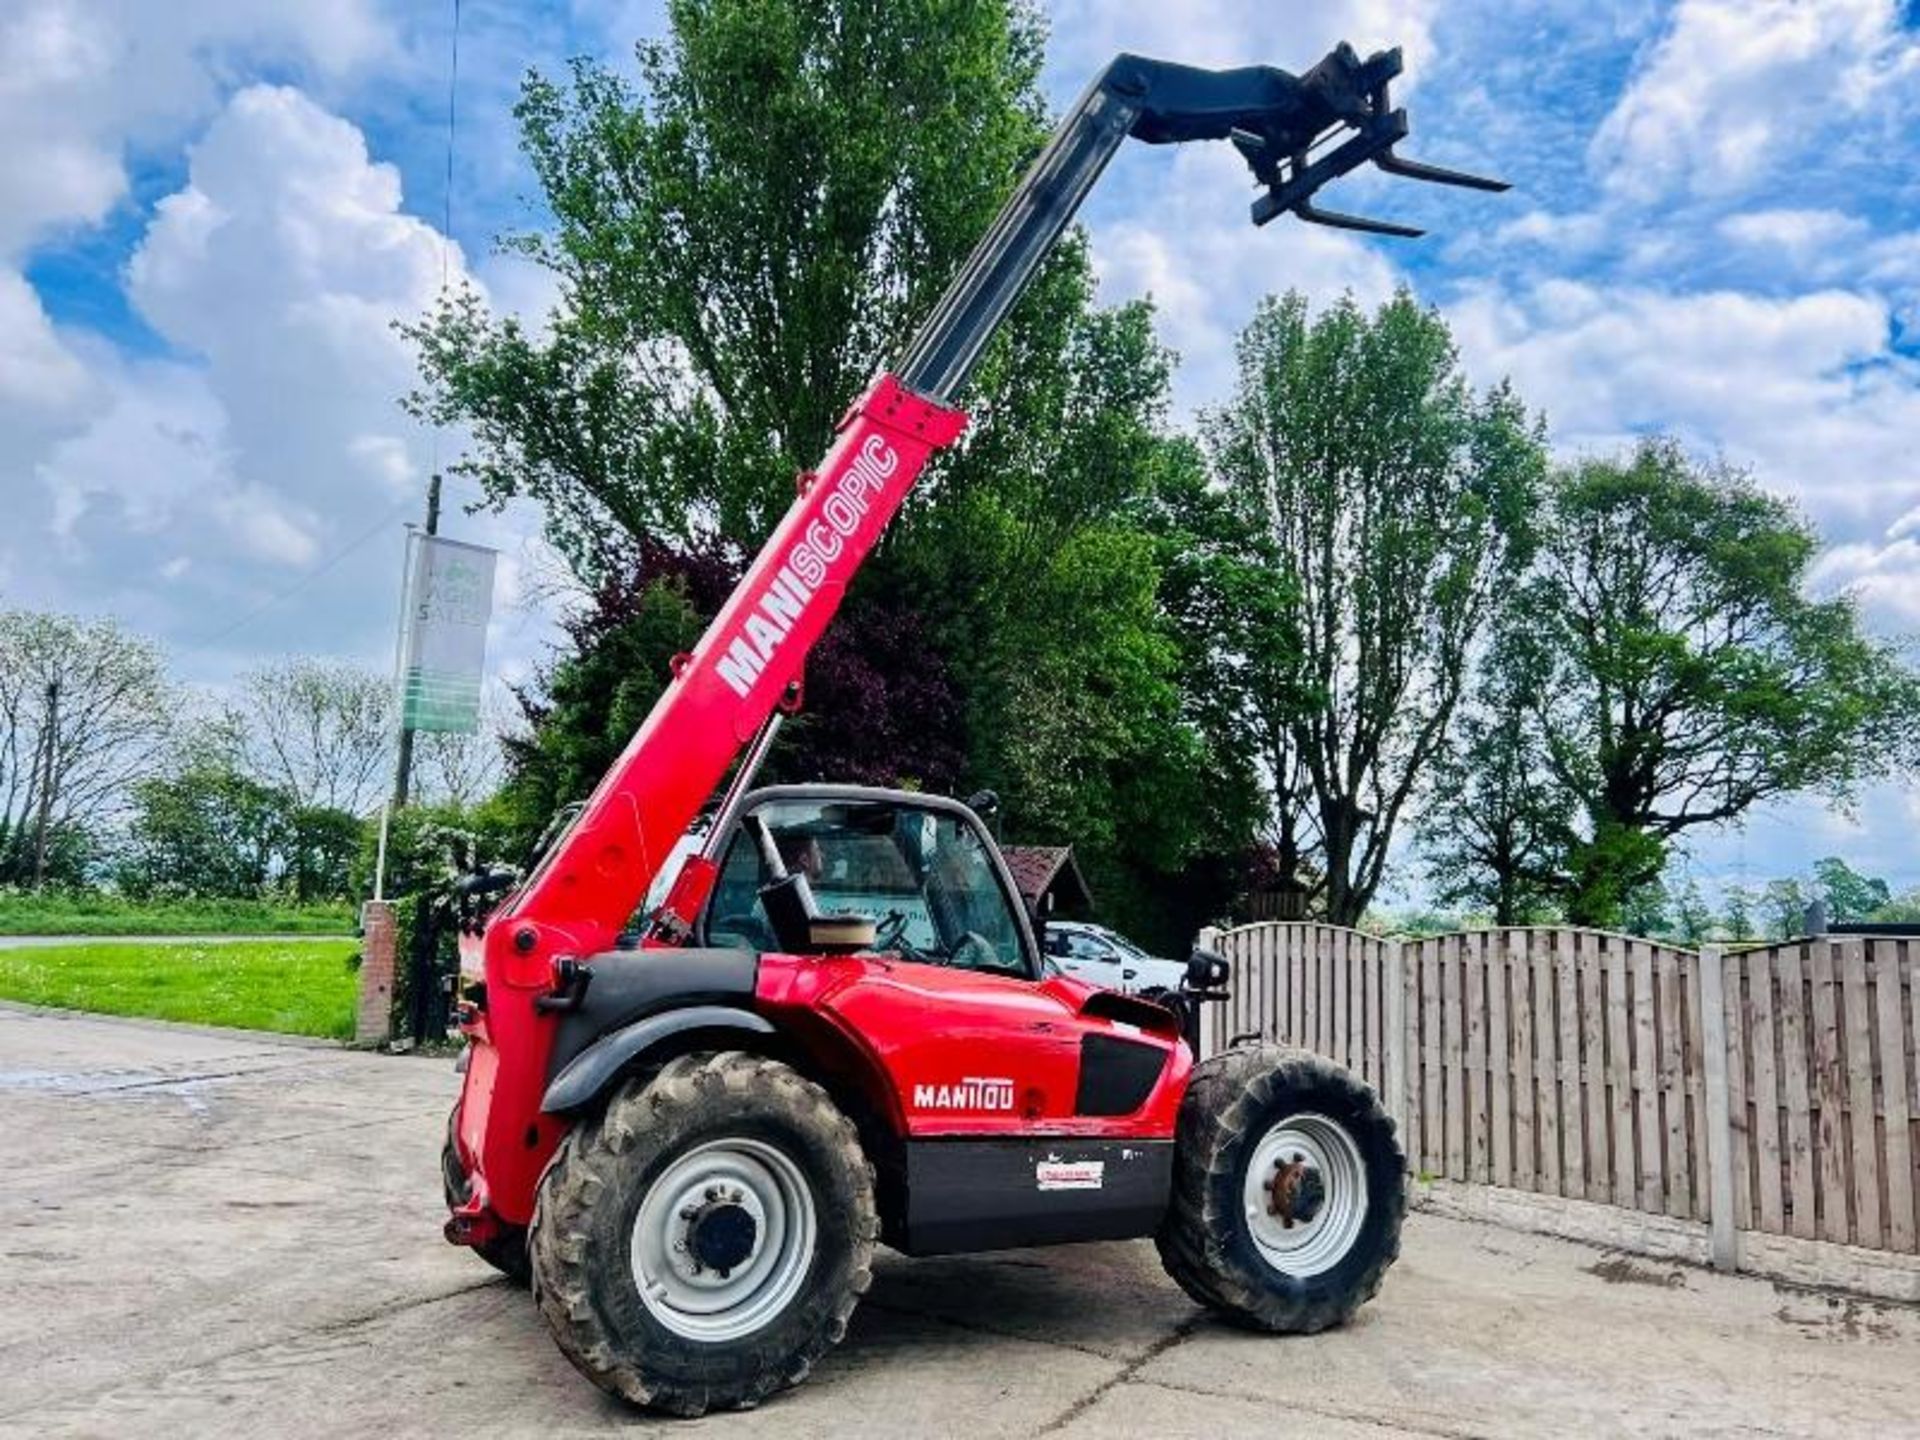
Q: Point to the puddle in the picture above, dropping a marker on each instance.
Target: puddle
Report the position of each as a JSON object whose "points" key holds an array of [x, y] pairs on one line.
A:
{"points": [[1620, 1270], [1841, 1317]]}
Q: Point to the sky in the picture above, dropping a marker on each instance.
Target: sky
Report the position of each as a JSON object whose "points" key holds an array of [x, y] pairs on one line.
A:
{"points": [[212, 212]]}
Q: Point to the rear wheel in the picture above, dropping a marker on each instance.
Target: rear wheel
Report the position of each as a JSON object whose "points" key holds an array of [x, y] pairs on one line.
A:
{"points": [[703, 1241], [1288, 1191]]}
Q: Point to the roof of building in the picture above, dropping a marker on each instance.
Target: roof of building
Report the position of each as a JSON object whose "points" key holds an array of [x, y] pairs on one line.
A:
{"points": [[1038, 869]]}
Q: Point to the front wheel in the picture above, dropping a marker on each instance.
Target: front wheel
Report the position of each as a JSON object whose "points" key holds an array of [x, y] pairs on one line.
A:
{"points": [[703, 1241], [1288, 1191]]}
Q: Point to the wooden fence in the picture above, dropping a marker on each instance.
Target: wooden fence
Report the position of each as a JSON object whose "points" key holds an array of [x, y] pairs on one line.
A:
{"points": [[1773, 1090]]}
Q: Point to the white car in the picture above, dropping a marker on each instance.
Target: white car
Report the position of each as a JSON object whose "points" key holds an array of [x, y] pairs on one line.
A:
{"points": [[1101, 957]]}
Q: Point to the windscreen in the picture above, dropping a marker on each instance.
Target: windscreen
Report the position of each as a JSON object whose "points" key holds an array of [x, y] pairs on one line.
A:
{"points": [[924, 877]]}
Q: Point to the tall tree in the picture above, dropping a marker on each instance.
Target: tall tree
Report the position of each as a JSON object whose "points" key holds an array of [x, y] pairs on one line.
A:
{"points": [[1491, 826], [86, 711], [1848, 894], [1785, 905], [1692, 917], [741, 241], [320, 730], [1737, 914], [208, 830], [1691, 676], [1393, 503]]}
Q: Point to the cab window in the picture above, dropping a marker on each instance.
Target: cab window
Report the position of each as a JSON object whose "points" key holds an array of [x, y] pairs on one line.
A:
{"points": [[925, 877]]}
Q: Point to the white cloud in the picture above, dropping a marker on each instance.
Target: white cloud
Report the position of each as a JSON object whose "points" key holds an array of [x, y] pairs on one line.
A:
{"points": [[41, 380], [1087, 33], [82, 81], [1800, 236], [1885, 577], [1208, 268], [280, 267], [1803, 389], [1737, 88], [206, 485]]}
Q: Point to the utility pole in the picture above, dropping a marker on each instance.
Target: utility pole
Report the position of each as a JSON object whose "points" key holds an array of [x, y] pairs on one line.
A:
{"points": [[403, 756], [50, 735], [403, 762]]}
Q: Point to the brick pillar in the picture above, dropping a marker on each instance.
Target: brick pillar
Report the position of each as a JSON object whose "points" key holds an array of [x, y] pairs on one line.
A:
{"points": [[373, 1022]]}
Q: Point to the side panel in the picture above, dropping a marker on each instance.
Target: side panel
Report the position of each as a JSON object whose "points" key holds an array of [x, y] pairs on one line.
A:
{"points": [[968, 1054], [998, 1194]]}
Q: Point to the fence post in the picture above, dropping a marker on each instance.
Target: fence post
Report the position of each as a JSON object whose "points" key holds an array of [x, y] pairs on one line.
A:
{"points": [[1393, 980], [1713, 1035], [1209, 939]]}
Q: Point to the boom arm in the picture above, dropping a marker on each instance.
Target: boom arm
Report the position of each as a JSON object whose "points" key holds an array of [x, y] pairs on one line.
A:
{"points": [[586, 888]]}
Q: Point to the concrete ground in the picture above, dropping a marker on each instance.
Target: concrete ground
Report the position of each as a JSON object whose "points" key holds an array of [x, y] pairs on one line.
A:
{"points": [[224, 1234]]}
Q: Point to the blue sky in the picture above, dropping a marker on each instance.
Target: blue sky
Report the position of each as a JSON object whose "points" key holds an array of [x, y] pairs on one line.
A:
{"points": [[211, 211]]}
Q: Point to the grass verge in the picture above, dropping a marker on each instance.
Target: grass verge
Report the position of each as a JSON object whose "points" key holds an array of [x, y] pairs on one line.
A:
{"points": [[297, 987], [60, 913]]}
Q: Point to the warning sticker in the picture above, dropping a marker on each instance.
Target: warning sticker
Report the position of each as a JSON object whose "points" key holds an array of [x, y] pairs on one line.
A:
{"points": [[1070, 1174]]}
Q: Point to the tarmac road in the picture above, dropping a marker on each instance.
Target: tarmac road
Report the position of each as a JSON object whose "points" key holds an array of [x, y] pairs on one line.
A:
{"points": [[216, 1233]]}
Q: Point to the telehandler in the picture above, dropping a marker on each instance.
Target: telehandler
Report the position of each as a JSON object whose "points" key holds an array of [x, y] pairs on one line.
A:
{"points": [[836, 1028]]}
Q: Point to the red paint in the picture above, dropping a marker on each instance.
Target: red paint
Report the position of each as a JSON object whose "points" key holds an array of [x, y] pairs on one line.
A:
{"points": [[932, 1025]]}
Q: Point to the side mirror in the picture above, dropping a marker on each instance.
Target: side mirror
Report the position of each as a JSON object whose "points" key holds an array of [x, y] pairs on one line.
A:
{"points": [[1207, 970]]}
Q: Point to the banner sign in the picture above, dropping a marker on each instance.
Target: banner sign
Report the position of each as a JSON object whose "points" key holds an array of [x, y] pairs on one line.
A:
{"points": [[449, 601]]}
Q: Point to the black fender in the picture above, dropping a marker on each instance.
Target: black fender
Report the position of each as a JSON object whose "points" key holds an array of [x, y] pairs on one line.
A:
{"points": [[606, 1059]]}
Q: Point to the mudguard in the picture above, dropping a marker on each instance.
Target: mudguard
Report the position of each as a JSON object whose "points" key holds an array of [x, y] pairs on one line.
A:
{"points": [[597, 1066]]}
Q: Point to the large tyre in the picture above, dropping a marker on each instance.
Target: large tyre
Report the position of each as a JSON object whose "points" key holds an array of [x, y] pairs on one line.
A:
{"points": [[1288, 1191], [704, 1240], [507, 1253]]}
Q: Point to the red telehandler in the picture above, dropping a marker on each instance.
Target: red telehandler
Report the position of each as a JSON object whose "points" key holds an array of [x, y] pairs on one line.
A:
{"points": [[836, 1028]]}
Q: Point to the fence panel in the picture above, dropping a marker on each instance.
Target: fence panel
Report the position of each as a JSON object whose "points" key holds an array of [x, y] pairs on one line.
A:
{"points": [[1571, 1062]]}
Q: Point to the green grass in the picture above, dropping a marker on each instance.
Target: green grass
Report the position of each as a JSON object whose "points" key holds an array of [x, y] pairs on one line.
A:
{"points": [[65, 913], [297, 987]]}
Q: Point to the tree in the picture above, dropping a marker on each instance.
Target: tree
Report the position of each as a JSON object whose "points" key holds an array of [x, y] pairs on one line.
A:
{"points": [[1491, 828], [208, 830], [451, 768], [742, 239], [1848, 894], [1648, 910], [1785, 905], [740, 242], [321, 730], [1690, 674], [1393, 503], [1737, 917], [586, 704], [1692, 917], [86, 711], [1903, 908]]}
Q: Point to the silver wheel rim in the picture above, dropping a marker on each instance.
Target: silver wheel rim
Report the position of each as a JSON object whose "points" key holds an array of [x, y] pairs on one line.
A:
{"points": [[699, 1302], [1313, 1245]]}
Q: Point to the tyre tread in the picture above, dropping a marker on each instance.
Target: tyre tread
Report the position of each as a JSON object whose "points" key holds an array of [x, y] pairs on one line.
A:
{"points": [[583, 1166]]}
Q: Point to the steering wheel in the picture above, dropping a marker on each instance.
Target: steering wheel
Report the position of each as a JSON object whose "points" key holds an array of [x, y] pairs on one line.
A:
{"points": [[973, 951], [891, 934]]}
